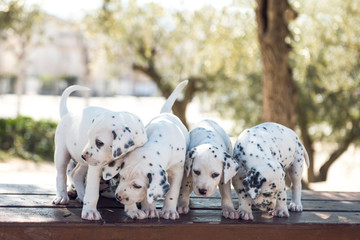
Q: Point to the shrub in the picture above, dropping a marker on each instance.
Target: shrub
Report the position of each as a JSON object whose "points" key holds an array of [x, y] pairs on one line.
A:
{"points": [[27, 138]]}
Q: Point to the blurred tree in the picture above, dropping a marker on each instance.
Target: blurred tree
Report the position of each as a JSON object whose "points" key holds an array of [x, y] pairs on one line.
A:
{"points": [[203, 46], [326, 62], [18, 23], [279, 91]]}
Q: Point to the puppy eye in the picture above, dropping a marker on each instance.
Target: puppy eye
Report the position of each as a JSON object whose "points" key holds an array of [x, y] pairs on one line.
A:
{"points": [[197, 172], [99, 143], [215, 175], [136, 186]]}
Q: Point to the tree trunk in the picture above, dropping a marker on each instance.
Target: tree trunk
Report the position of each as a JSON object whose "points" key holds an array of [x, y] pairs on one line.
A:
{"points": [[279, 90]]}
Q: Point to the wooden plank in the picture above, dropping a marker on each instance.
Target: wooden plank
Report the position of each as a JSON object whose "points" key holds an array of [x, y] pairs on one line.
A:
{"points": [[190, 231], [116, 215], [27, 189], [306, 194], [23, 200]]}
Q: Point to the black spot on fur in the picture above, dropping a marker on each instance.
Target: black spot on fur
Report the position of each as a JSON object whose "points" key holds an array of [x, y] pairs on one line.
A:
{"points": [[114, 134], [149, 175], [112, 164]]}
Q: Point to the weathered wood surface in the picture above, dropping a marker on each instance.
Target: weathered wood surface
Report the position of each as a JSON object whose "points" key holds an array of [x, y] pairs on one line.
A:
{"points": [[26, 212]]}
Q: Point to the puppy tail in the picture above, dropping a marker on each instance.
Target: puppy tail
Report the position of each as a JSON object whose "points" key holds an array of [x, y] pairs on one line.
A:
{"points": [[63, 108], [306, 156], [172, 98]]}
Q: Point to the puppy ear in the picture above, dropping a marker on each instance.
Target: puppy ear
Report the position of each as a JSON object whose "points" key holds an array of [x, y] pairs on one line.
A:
{"points": [[158, 184], [111, 169], [231, 167], [253, 183], [123, 142], [190, 156]]}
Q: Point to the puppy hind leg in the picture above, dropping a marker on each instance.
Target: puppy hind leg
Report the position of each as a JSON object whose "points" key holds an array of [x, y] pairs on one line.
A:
{"points": [[78, 177], [295, 174], [61, 159], [226, 200]]}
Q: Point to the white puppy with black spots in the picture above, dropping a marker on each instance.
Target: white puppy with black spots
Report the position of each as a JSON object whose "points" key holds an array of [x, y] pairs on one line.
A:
{"points": [[154, 170], [209, 164], [264, 153], [92, 137]]}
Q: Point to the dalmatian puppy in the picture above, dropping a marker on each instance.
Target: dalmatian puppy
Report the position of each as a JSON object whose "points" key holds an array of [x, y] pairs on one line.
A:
{"points": [[209, 164], [92, 137], [154, 170], [264, 152]]}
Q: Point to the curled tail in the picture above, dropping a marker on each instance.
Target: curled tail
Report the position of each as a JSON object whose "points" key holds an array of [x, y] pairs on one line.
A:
{"points": [[173, 96], [63, 108]]}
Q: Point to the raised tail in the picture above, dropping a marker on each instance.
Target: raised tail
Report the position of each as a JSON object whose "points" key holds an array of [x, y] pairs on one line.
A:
{"points": [[306, 156], [63, 108], [173, 96]]}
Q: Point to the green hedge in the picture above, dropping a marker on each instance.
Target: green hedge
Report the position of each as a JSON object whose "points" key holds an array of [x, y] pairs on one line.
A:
{"points": [[27, 138]]}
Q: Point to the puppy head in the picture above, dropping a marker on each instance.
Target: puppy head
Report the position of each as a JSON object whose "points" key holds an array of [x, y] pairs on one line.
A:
{"points": [[140, 178], [263, 185], [209, 165], [132, 186], [107, 140]]}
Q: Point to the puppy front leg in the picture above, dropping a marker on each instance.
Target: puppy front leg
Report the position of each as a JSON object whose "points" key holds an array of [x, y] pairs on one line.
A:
{"points": [[226, 200], [169, 209], [280, 207], [244, 209], [184, 196], [134, 213], [89, 211], [149, 209]]}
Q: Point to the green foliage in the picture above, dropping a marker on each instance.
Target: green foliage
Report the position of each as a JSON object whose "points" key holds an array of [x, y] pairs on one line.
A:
{"points": [[326, 61], [27, 138], [18, 19], [216, 46]]}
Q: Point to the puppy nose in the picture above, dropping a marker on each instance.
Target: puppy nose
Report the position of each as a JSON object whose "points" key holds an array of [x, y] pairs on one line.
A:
{"points": [[83, 157], [118, 197], [202, 191]]}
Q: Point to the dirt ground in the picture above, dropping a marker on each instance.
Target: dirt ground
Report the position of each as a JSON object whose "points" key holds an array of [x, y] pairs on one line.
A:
{"points": [[344, 175]]}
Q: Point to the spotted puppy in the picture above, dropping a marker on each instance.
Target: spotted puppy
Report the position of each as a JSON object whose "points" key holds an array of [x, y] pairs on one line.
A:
{"points": [[92, 137], [155, 169], [209, 164], [264, 153]]}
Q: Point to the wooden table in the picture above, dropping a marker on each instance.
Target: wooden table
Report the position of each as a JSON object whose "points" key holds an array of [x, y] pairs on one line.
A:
{"points": [[26, 212]]}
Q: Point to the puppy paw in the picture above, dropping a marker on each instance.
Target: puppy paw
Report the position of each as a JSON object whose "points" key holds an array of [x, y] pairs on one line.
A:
{"points": [[61, 200], [169, 214], [245, 214], [229, 212], [90, 214], [136, 214], [293, 207], [280, 213], [151, 213], [183, 209]]}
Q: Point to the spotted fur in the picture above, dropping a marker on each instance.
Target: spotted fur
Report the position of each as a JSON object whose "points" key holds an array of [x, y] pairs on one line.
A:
{"points": [[264, 154], [209, 164]]}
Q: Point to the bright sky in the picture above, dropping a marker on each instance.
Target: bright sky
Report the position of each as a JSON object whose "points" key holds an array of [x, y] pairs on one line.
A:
{"points": [[75, 9]]}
